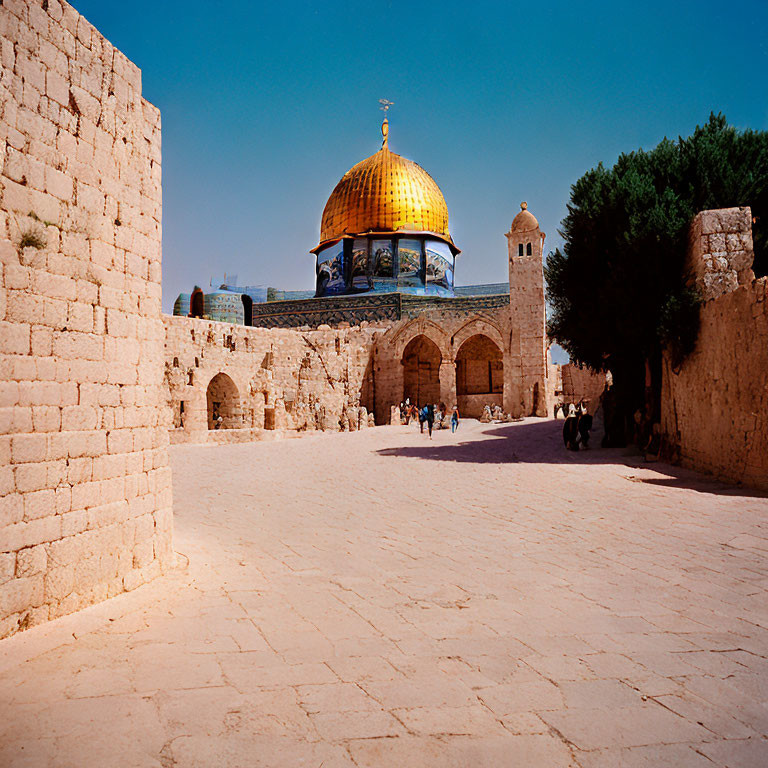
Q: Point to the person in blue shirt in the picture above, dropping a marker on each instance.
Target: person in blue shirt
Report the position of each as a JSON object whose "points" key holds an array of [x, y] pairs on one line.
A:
{"points": [[429, 417]]}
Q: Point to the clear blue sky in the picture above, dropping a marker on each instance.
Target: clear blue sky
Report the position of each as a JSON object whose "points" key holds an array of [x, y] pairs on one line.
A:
{"points": [[266, 105]]}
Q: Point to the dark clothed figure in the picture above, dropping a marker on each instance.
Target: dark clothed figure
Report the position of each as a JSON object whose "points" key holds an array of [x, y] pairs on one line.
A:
{"points": [[571, 430], [585, 424], [430, 417]]}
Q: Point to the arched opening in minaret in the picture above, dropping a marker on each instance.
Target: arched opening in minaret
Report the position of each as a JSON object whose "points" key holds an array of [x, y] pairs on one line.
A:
{"points": [[223, 403], [479, 375], [421, 371]]}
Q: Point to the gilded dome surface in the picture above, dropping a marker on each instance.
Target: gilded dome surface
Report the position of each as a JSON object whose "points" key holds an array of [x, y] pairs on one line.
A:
{"points": [[385, 193], [524, 221]]}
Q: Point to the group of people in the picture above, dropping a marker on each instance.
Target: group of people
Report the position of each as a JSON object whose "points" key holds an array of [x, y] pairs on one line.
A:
{"points": [[431, 415], [578, 423]]}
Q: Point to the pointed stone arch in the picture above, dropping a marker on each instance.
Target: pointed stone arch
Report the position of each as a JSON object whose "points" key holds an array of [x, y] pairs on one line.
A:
{"points": [[420, 326], [478, 325], [479, 374]]}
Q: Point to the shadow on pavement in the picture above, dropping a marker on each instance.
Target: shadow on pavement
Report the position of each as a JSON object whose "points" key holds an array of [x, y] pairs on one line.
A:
{"points": [[541, 442]]}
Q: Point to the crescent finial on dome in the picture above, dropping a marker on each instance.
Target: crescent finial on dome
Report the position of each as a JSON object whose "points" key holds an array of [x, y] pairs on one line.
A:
{"points": [[385, 105]]}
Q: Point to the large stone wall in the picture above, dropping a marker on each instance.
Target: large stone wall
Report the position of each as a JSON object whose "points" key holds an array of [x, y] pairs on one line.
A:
{"points": [[85, 496], [331, 379], [715, 406], [276, 379]]}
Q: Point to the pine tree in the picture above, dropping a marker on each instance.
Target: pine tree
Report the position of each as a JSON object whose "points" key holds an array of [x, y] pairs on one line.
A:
{"points": [[617, 291]]}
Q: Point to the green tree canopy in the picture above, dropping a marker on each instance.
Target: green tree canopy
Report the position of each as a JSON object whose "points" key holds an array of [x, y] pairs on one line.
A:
{"points": [[617, 290]]}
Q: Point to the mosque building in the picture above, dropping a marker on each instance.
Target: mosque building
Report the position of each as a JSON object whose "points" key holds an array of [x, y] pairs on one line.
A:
{"points": [[385, 263], [384, 237]]}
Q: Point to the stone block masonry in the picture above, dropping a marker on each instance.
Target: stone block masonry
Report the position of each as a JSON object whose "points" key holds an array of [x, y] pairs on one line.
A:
{"points": [[715, 405], [720, 251], [85, 487], [265, 379]]}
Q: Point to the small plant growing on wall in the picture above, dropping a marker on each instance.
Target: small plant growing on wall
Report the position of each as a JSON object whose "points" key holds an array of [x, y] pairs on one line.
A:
{"points": [[32, 215], [32, 238]]}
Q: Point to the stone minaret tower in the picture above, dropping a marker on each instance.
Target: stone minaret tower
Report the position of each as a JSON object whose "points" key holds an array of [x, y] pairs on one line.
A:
{"points": [[527, 381]]}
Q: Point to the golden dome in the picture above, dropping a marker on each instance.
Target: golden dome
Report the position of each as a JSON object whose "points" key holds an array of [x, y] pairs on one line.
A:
{"points": [[525, 221], [385, 193]]}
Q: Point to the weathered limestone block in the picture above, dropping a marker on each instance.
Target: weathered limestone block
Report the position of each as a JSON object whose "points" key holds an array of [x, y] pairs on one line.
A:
{"points": [[720, 251]]}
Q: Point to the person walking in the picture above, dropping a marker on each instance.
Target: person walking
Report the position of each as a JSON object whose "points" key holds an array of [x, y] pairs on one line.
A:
{"points": [[571, 429], [430, 417], [454, 418]]}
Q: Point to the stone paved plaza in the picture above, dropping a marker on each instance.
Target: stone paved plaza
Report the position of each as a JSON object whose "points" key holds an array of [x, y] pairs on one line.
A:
{"points": [[377, 599]]}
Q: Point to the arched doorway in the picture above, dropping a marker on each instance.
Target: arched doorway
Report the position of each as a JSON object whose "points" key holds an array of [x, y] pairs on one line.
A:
{"points": [[421, 371], [479, 375], [223, 403]]}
